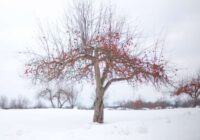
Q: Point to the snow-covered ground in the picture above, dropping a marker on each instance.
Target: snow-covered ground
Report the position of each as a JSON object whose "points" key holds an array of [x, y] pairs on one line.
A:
{"points": [[63, 124]]}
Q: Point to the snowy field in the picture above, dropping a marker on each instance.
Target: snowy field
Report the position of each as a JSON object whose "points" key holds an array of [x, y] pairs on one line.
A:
{"points": [[55, 124]]}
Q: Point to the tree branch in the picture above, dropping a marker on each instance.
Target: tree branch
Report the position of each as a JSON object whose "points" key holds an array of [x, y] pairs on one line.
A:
{"points": [[117, 80]]}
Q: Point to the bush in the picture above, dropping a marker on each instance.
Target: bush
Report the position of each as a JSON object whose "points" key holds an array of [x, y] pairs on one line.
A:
{"points": [[3, 102], [39, 104], [19, 103]]}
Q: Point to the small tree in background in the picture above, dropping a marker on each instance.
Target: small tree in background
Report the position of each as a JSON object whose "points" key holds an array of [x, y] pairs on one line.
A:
{"points": [[190, 87], [97, 46], [47, 94], [68, 95], [59, 97]]}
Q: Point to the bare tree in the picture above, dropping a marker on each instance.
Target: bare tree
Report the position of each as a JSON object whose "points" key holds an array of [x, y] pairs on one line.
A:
{"points": [[60, 97], [68, 95], [47, 94], [190, 87], [97, 46]]}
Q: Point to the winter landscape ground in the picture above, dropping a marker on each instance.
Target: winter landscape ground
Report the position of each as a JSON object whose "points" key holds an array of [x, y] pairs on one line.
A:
{"points": [[66, 124]]}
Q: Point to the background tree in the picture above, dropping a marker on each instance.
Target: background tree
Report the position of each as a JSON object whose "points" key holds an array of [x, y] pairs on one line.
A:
{"points": [[190, 87], [97, 46], [69, 95], [47, 94], [59, 97]]}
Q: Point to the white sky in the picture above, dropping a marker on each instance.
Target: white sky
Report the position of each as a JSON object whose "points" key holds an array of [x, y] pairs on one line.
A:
{"points": [[179, 20]]}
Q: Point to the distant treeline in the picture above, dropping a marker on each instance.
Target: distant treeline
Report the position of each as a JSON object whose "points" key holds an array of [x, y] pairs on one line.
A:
{"points": [[23, 103], [140, 104]]}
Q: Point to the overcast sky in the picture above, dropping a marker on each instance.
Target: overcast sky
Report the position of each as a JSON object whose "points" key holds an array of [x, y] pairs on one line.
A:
{"points": [[178, 20]]}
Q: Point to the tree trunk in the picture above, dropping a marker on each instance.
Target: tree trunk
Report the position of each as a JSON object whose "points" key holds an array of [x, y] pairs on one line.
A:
{"points": [[99, 106], [194, 103]]}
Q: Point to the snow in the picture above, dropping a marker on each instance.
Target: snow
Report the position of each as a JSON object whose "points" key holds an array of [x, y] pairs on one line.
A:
{"points": [[66, 124]]}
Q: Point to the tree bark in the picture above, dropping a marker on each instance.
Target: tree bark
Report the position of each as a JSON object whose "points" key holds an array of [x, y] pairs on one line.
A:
{"points": [[99, 106], [194, 103]]}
